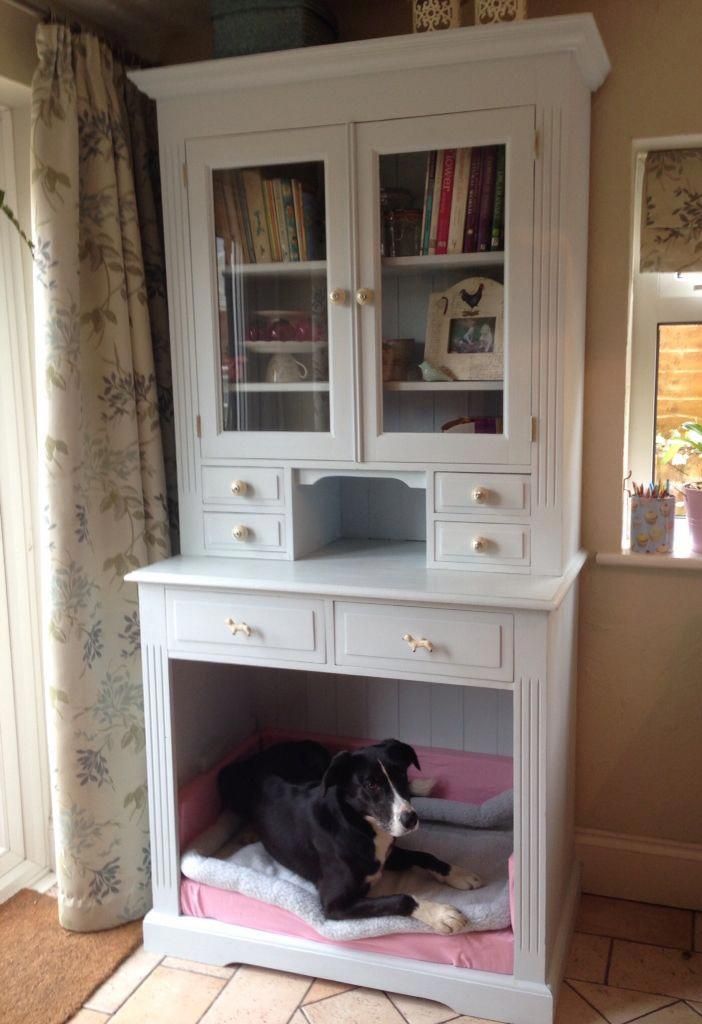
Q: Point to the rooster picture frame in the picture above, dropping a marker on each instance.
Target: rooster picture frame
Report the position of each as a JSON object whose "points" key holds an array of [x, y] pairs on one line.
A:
{"points": [[464, 330]]}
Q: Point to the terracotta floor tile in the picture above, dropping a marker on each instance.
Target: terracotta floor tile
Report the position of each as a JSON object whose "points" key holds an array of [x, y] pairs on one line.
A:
{"points": [[322, 989], [637, 922], [168, 995], [421, 1011], [667, 972], [360, 1006], [256, 995], [192, 965], [89, 1017], [619, 1005], [678, 1013], [696, 1006], [588, 958], [298, 1018], [128, 976], [572, 1009]]}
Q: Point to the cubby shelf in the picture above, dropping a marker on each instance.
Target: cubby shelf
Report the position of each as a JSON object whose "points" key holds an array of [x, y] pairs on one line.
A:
{"points": [[443, 385]]}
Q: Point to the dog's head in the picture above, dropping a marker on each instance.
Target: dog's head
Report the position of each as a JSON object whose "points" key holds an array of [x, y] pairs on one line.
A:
{"points": [[373, 781]]}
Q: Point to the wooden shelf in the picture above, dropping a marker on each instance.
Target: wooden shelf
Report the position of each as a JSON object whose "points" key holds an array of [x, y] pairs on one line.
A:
{"points": [[398, 264], [443, 385], [296, 267], [303, 385], [280, 347]]}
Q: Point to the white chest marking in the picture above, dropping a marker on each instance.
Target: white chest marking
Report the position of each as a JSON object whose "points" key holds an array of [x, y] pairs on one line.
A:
{"points": [[382, 842]]}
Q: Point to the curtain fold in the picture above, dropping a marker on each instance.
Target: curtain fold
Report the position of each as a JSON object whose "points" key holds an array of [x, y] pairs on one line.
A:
{"points": [[103, 481], [671, 212]]}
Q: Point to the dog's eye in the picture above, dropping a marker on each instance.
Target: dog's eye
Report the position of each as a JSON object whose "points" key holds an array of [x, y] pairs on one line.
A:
{"points": [[371, 786]]}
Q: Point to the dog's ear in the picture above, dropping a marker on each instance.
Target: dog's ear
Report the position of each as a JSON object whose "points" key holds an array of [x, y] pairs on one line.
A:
{"points": [[400, 753], [338, 771]]}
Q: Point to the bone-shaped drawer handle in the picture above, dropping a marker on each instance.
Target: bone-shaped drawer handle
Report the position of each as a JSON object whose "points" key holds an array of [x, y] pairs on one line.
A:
{"points": [[414, 643], [237, 627]]}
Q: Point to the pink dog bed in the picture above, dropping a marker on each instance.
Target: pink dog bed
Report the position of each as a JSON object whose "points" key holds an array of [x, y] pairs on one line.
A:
{"points": [[469, 778]]}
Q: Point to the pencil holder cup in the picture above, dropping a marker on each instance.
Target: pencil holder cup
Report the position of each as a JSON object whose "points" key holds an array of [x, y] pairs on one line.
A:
{"points": [[652, 521]]}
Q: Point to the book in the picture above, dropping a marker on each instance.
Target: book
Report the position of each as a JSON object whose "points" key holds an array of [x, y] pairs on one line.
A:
{"points": [[236, 229], [435, 200], [460, 199], [497, 234], [299, 218], [470, 240], [442, 225], [280, 219], [426, 209], [253, 189], [247, 237], [290, 225], [271, 220], [487, 198]]}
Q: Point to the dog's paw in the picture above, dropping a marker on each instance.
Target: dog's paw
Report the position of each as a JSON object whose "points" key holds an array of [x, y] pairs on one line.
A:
{"points": [[442, 917], [459, 878]]}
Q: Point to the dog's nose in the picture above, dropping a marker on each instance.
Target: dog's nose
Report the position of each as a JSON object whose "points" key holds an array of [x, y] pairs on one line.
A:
{"points": [[409, 819]]}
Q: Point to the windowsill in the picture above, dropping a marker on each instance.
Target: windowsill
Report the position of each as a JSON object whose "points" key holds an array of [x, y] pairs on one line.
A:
{"points": [[682, 557]]}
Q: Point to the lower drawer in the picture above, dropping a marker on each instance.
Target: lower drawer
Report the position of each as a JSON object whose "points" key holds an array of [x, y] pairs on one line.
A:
{"points": [[482, 543], [253, 625], [238, 533], [465, 644]]}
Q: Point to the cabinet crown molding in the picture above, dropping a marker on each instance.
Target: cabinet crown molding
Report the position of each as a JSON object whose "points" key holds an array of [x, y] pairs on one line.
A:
{"points": [[576, 34]]}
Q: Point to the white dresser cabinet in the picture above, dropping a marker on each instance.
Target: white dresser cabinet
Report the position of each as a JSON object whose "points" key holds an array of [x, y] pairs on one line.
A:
{"points": [[379, 425]]}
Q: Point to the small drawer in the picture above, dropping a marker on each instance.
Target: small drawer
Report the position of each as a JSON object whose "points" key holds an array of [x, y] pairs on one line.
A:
{"points": [[504, 494], [238, 533], [241, 486], [482, 543], [464, 644], [251, 625]]}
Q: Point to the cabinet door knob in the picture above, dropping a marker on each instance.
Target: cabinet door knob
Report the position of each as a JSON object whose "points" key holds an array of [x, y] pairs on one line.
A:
{"points": [[364, 296], [239, 487], [237, 627], [480, 495], [479, 544], [240, 532], [415, 642], [337, 296]]}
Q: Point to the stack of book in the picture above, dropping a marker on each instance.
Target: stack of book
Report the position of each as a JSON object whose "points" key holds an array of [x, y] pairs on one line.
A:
{"points": [[464, 201], [268, 220]]}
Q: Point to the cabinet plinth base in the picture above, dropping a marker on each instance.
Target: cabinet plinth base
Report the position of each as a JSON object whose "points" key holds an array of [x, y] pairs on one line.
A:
{"points": [[496, 997]]}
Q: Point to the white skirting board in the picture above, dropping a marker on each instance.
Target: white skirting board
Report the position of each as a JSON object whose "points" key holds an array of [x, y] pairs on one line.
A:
{"points": [[637, 868]]}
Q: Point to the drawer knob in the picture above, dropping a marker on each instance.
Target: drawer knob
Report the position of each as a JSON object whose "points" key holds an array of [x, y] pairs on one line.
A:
{"points": [[364, 296], [240, 532], [479, 544], [415, 642], [237, 627], [480, 495], [239, 487], [337, 296]]}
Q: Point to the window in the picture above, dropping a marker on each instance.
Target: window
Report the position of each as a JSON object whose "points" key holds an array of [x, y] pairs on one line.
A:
{"points": [[666, 318]]}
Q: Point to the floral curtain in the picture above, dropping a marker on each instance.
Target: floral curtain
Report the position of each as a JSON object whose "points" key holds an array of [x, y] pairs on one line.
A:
{"points": [[671, 215], [100, 322]]}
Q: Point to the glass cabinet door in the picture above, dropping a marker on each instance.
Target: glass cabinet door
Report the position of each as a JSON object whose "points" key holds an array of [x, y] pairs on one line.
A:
{"points": [[270, 236], [445, 236]]}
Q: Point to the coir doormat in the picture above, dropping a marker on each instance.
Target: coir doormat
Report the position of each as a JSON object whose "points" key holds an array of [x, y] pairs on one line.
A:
{"points": [[46, 972]]}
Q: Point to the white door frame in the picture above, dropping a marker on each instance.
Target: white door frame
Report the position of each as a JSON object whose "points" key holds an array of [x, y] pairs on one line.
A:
{"points": [[25, 848]]}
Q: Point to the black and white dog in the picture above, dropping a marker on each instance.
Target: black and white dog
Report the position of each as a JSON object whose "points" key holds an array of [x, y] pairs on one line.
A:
{"points": [[334, 821]]}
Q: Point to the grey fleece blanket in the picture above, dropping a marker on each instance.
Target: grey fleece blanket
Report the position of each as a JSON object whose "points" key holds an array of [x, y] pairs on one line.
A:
{"points": [[249, 870]]}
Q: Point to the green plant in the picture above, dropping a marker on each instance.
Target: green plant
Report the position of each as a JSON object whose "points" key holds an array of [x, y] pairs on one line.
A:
{"points": [[682, 445], [9, 213]]}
